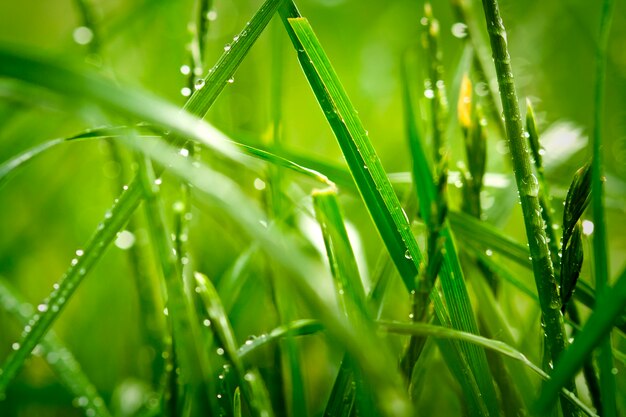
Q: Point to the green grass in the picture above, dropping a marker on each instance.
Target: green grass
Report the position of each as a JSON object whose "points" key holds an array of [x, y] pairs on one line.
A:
{"points": [[238, 270]]}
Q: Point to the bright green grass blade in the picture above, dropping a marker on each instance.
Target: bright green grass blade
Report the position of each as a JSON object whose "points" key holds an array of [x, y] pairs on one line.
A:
{"points": [[600, 251], [237, 403], [56, 354], [611, 304], [106, 232], [495, 345], [347, 278], [365, 166], [250, 381], [211, 86], [349, 291], [220, 191], [234, 279], [10, 166], [194, 368], [451, 274], [303, 327]]}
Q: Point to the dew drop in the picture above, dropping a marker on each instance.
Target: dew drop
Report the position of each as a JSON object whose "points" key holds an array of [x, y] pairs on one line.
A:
{"points": [[259, 184], [588, 227], [530, 186], [185, 69], [185, 91], [220, 351], [407, 255], [125, 240], [42, 308], [166, 311], [15, 346], [488, 252], [429, 93], [82, 35], [231, 80], [206, 323], [211, 15], [184, 152], [459, 30], [199, 84], [227, 47]]}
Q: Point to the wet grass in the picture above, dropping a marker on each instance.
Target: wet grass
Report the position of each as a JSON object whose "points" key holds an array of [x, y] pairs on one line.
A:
{"points": [[443, 312]]}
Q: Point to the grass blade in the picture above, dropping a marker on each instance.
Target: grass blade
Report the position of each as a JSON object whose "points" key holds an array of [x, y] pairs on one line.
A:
{"points": [[60, 359], [107, 230], [365, 166], [495, 345], [611, 303], [252, 386]]}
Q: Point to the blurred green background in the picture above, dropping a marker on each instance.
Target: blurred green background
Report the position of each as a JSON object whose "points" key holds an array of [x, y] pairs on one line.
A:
{"points": [[52, 206]]}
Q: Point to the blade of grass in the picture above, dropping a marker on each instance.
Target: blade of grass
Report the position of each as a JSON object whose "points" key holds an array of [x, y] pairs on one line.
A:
{"points": [[495, 345], [252, 386], [194, 368], [60, 359], [528, 188], [303, 327], [600, 251], [611, 303], [364, 164]]}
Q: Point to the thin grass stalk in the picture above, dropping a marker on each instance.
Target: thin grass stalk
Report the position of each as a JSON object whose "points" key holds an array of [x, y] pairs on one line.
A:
{"points": [[194, 369], [528, 188], [59, 358], [600, 250]]}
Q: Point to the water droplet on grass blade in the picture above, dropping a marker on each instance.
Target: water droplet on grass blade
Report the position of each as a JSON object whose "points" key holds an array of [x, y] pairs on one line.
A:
{"points": [[211, 15], [125, 240], [227, 47], [82, 35], [199, 84], [185, 91], [407, 255], [530, 186], [459, 30]]}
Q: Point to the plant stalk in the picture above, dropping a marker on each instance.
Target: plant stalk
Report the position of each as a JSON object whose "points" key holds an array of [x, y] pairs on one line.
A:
{"points": [[528, 188]]}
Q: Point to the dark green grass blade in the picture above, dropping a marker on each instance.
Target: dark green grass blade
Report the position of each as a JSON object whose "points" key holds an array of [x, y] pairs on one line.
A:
{"points": [[221, 192], [60, 359], [252, 386], [611, 304], [600, 251], [365, 166], [451, 275], [495, 345]]}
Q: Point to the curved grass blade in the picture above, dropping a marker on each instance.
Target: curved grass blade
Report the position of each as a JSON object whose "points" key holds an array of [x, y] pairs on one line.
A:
{"points": [[60, 359], [495, 345], [254, 390], [611, 304], [220, 191], [303, 327]]}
